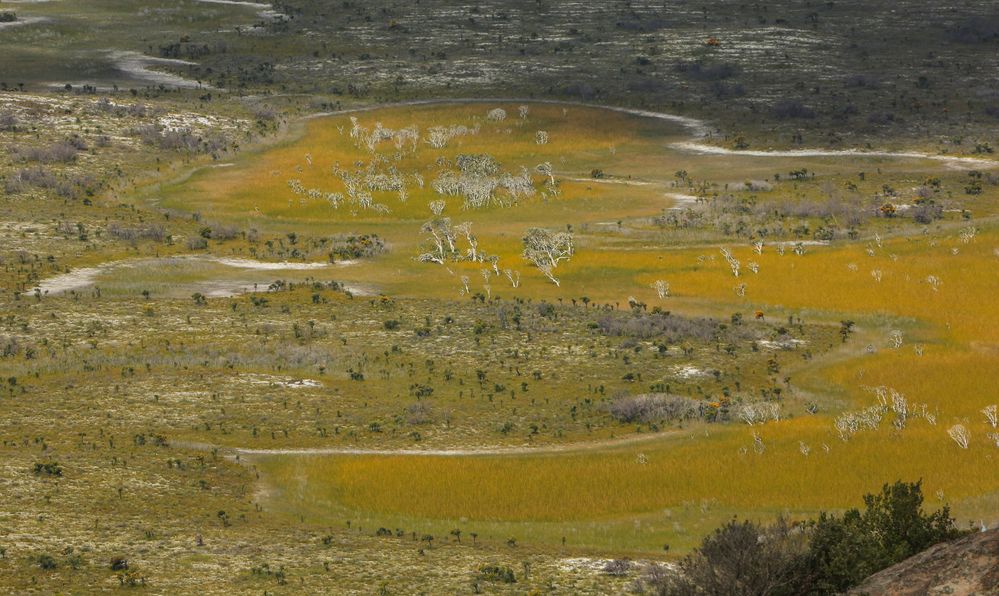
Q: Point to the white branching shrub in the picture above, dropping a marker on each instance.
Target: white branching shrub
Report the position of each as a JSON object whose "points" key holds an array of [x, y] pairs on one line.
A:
{"points": [[960, 435], [439, 136], [758, 412], [733, 263], [895, 338], [541, 137], [402, 139], [496, 115], [900, 407], [992, 415], [661, 287], [891, 402]]}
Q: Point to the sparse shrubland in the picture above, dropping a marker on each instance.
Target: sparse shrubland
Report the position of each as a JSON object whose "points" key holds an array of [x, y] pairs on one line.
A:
{"points": [[533, 335]]}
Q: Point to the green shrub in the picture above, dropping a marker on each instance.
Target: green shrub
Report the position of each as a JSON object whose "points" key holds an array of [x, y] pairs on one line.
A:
{"points": [[497, 573], [845, 550], [48, 469]]}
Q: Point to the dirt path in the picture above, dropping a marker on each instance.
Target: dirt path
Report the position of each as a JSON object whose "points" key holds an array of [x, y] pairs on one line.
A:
{"points": [[457, 452], [964, 162], [698, 129]]}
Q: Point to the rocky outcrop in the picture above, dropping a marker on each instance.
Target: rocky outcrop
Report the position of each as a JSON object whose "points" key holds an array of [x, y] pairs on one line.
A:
{"points": [[966, 566]]}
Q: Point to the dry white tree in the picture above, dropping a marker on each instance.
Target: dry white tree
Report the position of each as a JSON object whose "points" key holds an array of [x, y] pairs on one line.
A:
{"points": [[895, 338], [545, 249], [992, 415], [465, 229], [733, 262], [541, 137], [513, 276], [960, 435], [440, 241], [496, 115], [523, 111], [546, 170], [486, 274], [934, 282], [900, 406], [661, 287], [437, 207]]}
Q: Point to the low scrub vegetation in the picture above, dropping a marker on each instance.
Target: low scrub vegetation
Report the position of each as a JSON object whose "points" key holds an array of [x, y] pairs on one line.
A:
{"points": [[825, 556]]}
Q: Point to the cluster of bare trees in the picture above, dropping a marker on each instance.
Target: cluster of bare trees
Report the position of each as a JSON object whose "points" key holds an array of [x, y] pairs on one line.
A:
{"points": [[962, 436], [403, 139], [890, 402], [758, 412], [478, 180], [446, 242], [439, 136], [441, 241]]}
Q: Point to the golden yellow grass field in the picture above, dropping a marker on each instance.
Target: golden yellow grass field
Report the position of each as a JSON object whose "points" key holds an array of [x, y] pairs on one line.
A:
{"points": [[935, 286]]}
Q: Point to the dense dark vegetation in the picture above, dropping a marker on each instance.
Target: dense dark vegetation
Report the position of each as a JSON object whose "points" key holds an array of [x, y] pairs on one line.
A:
{"points": [[825, 556], [788, 72]]}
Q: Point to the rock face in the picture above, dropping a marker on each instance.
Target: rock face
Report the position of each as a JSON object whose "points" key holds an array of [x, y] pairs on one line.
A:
{"points": [[966, 566]]}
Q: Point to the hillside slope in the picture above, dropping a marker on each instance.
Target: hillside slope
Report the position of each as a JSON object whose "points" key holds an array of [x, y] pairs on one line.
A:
{"points": [[969, 565]]}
